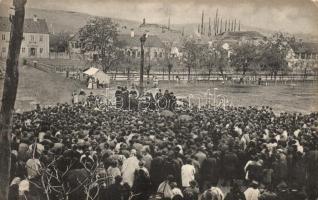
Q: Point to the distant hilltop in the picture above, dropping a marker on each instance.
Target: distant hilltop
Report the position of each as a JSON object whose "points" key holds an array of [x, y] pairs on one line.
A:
{"points": [[75, 20]]}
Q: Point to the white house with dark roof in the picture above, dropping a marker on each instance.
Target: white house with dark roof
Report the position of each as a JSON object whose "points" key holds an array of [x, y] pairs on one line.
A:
{"points": [[303, 56], [36, 40], [239, 37], [154, 47]]}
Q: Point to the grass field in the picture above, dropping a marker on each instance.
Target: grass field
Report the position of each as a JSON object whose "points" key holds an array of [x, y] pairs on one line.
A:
{"points": [[46, 88], [301, 97], [40, 87]]}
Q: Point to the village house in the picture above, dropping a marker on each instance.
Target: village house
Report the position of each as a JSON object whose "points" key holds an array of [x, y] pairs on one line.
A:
{"points": [[303, 56], [240, 37], [36, 40], [74, 44], [153, 47]]}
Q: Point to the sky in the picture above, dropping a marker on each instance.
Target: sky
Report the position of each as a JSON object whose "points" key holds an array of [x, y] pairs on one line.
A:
{"points": [[296, 16]]}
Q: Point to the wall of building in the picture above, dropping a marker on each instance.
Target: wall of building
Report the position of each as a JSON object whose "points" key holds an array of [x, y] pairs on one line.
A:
{"points": [[299, 61], [74, 47], [33, 45], [155, 52]]}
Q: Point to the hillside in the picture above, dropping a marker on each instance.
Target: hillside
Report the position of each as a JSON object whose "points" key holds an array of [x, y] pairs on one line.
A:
{"points": [[56, 19], [40, 87], [57, 22]]}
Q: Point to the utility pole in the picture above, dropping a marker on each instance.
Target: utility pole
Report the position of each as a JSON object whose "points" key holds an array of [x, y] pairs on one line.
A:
{"points": [[9, 95], [142, 63]]}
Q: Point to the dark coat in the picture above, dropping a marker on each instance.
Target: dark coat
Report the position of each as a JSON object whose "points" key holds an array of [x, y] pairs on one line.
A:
{"points": [[114, 192], [210, 170], [172, 167], [156, 171], [141, 184], [312, 166], [230, 164], [74, 178], [235, 195]]}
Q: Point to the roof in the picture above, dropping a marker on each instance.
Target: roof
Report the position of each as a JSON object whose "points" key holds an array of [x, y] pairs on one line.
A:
{"points": [[240, 34], [91, 71], [152, 40], [307, 47], [30, 26], [75, 37]]}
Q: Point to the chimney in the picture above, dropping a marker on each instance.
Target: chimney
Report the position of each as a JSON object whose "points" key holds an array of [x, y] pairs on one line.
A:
{"points": [[35, 18], [132, 33], [144, 21], [202, 24]]}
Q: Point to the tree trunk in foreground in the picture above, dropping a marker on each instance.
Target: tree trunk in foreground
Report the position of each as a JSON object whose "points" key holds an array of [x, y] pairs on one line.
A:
{"points": [[9, 95]]}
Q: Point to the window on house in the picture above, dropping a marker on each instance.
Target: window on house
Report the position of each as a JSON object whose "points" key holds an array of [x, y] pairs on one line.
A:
{"points": [[160, 54], [138, 54], [133, 54], [156, 54], [23, 49], [41, 50], [32, 38], [3, 37], [4, 49], [41, 38]]}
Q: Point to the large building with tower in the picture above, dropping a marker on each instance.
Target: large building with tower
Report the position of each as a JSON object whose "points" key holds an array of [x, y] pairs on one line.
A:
{"points": [[36, 39]]}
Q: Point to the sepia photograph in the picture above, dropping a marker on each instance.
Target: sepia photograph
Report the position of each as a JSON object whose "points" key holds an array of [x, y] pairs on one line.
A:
{"points": [[159, 100]]}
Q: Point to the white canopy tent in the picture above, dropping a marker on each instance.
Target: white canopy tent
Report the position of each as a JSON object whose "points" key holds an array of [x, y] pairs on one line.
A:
{"points": [[98, 75]]}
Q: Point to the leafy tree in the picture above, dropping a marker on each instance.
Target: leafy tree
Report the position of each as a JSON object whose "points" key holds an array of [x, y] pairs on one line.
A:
{"points": [[274, 53], [59, 42], [191, 54], [245, 57], [215, 58], [99, 35], [168, 59]]}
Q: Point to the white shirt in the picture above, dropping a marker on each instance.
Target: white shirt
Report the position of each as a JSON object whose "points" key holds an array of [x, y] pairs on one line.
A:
{"points": [[187, 174], [252, 194], [128, 170], [176, 191]]}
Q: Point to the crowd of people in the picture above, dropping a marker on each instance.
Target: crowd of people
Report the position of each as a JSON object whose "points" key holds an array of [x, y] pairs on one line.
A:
{"points": [[77, 152], [131, 100]]}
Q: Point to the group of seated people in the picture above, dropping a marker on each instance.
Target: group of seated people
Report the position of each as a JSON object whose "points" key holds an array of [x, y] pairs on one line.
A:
{"points": [[239, 153]]}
